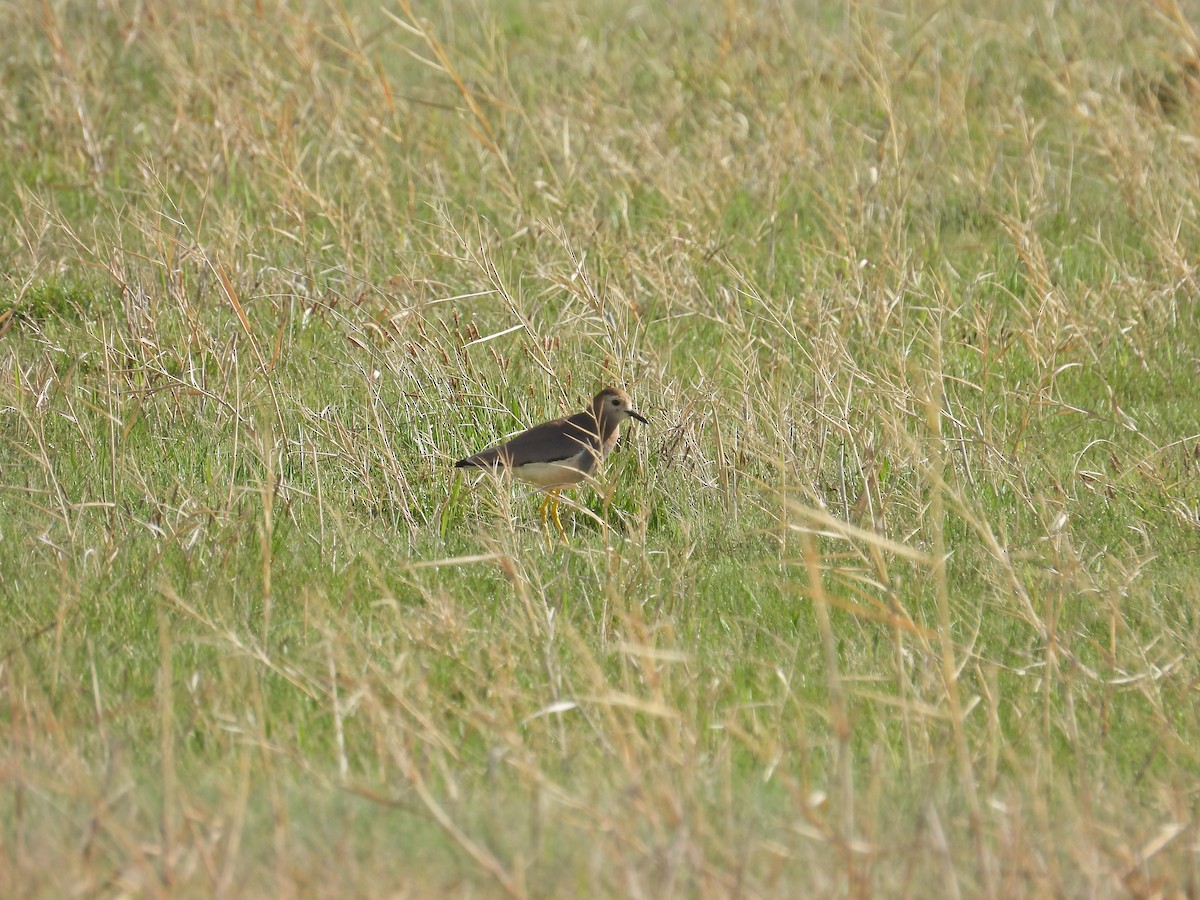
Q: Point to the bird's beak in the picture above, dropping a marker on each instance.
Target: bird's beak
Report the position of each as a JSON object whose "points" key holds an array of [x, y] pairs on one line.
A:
{"points": [[634, 415]]}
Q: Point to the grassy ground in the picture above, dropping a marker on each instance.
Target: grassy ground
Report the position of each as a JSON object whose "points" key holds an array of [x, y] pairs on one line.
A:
{"points": [[896, 596]]}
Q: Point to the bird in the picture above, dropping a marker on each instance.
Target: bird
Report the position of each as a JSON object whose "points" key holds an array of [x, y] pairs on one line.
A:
{"points": [[561, 453]]}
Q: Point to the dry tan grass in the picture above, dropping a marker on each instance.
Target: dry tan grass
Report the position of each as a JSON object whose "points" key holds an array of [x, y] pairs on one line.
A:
{"points": [[895, 598]]}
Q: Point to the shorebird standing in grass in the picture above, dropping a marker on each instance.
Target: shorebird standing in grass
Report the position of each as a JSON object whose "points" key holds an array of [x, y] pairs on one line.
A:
{"points": [[559, 454]]}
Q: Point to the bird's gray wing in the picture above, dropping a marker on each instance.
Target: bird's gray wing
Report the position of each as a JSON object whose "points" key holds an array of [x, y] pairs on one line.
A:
{"points": [[549, 442]]}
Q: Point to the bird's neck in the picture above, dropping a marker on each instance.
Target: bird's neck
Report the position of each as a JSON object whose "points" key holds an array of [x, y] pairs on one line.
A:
{"points": [[605, 426]]}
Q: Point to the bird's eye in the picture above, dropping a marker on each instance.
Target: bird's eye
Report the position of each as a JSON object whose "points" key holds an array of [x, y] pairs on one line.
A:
{"points": [[616, 401]]}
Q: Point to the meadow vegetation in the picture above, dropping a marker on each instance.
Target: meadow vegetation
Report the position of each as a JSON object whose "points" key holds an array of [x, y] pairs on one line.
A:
{"points": [[897, 596]]}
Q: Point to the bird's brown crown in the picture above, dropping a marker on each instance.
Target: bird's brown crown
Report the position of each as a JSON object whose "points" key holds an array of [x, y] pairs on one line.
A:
{"points": [[608, 393]]}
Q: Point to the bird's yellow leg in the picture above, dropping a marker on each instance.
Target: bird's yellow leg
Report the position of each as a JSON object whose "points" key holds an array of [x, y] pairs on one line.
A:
{"points": [[544, 510], [561, 531]]}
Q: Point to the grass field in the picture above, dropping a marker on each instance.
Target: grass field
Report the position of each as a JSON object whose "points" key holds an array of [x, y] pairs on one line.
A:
{"points": [[896, 596]]}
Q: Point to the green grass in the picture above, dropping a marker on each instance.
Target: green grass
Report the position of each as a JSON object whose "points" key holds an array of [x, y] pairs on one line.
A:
{"points": [[896, 596]]}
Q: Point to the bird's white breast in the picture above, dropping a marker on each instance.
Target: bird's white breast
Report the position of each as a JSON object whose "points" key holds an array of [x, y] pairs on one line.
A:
{"points": [[561, 473]]}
